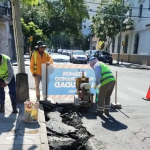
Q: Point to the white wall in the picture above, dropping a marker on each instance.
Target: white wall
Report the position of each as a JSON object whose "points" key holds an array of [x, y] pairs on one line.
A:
{"points": [[92, 5], [139, 27]]}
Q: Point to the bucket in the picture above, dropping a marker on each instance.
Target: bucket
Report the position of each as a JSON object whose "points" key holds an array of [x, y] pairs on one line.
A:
{"points": [[31, 112]]}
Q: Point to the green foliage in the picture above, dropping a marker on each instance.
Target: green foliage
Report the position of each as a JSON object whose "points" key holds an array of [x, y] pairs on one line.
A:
{"points": [[31, 29], [59, 20], [66, 41], [55, 19], [107, 21]]}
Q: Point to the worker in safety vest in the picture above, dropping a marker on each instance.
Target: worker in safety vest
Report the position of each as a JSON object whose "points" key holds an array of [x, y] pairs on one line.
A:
{"points": [[7, 78], [106, 80], [38, 58]]}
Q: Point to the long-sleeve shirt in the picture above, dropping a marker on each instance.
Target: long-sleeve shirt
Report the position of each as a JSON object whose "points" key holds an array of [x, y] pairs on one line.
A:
{"points": [[98, 76], [10, 71], [40, 59]]}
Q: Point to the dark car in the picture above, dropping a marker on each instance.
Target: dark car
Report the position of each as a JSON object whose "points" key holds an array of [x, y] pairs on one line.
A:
{"points": [[104, 56]]}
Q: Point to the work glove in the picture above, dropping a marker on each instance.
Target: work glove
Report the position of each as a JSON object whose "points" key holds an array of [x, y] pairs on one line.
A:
{"points": [[95, 86]]}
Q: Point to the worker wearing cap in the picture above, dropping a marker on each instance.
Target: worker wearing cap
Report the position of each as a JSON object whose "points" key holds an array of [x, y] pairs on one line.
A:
{"points": [[105, 78], [7, 79], [38, 58]]}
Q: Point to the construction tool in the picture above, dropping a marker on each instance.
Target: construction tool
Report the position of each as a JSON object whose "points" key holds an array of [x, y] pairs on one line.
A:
{"points": [[83, 97], [116, 105]]}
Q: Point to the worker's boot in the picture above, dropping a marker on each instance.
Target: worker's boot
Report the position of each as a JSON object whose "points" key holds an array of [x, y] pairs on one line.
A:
{"points": [[99, 112], [106, 111], [2, 108], [14, 107]]}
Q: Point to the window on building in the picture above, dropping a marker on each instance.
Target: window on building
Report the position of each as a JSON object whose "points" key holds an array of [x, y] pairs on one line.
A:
{"points": [[113, 45], [126, 44], [130, 13], [136, 44], [140, 11]]}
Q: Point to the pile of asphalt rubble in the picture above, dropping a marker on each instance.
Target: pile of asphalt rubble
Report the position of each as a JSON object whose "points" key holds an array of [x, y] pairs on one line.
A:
{"points": [[64, 128]]}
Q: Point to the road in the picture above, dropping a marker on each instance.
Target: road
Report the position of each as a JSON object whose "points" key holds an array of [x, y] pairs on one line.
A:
{"points": [[132, 84], [125, 129]]}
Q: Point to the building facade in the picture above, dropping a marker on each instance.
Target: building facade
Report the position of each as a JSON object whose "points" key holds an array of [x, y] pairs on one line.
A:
{"points": [[86, 24], [136, 47], [6, 30]]}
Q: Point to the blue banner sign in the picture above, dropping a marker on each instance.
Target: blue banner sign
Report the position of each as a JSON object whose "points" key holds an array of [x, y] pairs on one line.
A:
{"points": [[62, 78]]}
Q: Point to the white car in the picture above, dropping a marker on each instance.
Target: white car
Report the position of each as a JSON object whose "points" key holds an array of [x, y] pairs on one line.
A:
{"points": [[78, 56], [59, 51], [58, 58]]}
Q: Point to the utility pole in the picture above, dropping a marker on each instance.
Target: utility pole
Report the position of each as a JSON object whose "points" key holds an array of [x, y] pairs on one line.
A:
{"points": [[22, 87], [119, 46]]}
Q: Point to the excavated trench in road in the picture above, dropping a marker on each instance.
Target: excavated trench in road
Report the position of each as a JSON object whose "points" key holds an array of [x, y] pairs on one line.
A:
{"points": [[64, 128]]}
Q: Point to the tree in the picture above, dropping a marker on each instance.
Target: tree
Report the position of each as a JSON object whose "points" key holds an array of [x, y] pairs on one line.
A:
{"points": [[55, 18], [106, 23], [31, 29]]}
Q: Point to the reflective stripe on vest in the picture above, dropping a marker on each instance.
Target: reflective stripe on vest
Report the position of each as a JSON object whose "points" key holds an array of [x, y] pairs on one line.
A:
{"points": [[35, 58], [106, 73], [4, 68]]}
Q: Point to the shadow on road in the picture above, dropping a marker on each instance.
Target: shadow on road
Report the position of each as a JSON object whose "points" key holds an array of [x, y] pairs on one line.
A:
{"points": [[91, 112], [112, 124]]}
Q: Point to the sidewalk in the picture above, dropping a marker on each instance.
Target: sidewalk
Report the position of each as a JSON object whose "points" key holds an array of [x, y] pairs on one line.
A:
{"points": [[130, 65], [26, 61], [16, 134]]}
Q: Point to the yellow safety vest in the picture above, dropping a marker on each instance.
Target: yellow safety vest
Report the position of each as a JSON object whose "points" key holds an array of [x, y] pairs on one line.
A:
{"points": [[35, 58]]}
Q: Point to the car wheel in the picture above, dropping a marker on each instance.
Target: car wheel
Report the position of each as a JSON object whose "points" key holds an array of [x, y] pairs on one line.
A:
{"points": [[85, 62]]}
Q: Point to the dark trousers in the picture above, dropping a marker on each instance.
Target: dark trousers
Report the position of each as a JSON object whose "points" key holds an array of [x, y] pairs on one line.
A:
{"points": [[105, 92], [12, 92]]}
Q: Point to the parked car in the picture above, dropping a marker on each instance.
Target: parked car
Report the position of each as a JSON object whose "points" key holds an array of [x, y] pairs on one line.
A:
{"points": [[69, 52], [59, 51], [58, 58], [64, 52], [78, 56], [104, 56]]}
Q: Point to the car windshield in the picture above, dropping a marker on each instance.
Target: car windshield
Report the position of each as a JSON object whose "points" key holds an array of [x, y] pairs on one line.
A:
{"points": [[79, 53]]}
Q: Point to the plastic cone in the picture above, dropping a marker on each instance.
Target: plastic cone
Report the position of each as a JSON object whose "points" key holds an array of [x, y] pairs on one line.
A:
{"points": [[148, 94]]}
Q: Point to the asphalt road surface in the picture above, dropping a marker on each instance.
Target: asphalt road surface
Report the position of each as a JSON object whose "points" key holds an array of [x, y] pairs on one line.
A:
{"points": [[125, 129]]}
